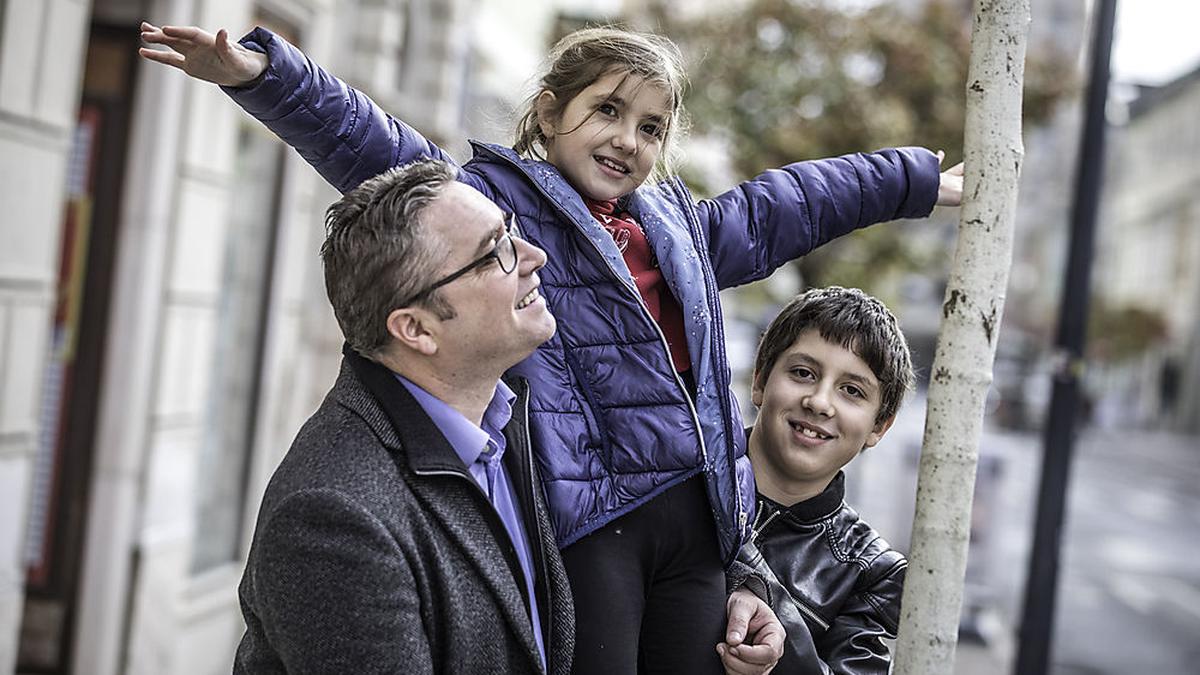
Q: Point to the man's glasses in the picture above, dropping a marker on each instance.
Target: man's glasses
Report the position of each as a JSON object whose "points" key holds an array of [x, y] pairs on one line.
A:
{"points": [[504, 252]]}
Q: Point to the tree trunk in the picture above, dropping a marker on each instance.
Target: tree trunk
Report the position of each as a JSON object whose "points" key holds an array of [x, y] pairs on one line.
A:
{"points": [[962, 366]]}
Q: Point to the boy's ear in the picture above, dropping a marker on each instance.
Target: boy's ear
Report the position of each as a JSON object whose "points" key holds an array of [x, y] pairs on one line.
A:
{"points": [[756, 390], [414, 328], [547, 118], [877, 433]]}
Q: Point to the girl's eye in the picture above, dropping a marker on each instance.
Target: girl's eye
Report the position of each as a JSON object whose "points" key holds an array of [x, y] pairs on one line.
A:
{"points": [[652, 130], [855, 391], [607, 109]]}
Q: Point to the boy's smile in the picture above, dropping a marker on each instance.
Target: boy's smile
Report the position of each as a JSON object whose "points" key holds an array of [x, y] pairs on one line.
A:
{"points": [[609, 136], [817, 411]]}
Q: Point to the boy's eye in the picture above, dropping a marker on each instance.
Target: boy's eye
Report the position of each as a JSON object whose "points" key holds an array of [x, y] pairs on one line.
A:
{"points": [[802, 372]]}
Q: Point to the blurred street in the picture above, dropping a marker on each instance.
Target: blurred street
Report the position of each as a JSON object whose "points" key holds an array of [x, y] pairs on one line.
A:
{"points": [[1129, 593], [1129, 586]]}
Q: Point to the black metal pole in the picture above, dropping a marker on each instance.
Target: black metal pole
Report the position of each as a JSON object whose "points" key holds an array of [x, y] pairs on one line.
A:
{"points": [[1037, 620]]}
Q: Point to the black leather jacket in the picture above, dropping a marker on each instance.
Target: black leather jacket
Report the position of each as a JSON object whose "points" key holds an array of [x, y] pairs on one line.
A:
{"points": [[834, 583]]}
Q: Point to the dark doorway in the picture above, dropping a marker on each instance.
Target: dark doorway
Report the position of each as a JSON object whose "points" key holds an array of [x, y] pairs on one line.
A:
{"points": [[73, 372]]}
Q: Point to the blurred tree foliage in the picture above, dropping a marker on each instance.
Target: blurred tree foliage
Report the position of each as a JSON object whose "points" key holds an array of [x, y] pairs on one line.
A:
{"points": [[785, 80], [1117, 333]]}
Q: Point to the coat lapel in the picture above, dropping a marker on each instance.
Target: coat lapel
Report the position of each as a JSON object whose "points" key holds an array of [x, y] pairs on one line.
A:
{"points": [[437, 477]]}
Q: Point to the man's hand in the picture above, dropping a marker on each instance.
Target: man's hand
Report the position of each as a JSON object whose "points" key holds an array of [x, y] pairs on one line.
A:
{"points": [[204, 56], [753, 636], [950, 189]]}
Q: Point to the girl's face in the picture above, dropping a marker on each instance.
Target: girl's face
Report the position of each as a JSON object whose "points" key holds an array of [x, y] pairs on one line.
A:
{"points": [[609, 136]]}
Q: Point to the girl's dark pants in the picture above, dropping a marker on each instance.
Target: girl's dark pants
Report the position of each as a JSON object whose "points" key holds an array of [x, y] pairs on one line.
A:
{"points": [[649, 589]]}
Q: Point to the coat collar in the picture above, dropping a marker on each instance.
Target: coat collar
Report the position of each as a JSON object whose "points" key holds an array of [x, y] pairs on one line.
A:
{"points": [[813, 509]]}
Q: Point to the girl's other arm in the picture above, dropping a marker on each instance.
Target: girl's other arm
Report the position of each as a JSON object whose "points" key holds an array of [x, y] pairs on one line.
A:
{"points": [[784, 213], [340, 131]]}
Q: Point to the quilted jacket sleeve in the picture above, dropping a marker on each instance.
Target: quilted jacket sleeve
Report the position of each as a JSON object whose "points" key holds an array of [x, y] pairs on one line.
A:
{"points": [[784, 213], [337, 129]]}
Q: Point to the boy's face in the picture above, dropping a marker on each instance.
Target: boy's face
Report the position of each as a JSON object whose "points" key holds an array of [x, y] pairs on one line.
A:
{"points": [[817, 410]]}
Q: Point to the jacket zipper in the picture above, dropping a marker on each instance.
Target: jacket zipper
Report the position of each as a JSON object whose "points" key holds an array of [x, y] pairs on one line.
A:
{"points": [[490, 512], [662, 338], [757, 529], [807, 611], [714, 305], [535, 484]]}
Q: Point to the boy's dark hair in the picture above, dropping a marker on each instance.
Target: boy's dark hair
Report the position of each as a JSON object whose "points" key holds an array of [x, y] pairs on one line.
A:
{"points": [[378, 254], [853, 319]]}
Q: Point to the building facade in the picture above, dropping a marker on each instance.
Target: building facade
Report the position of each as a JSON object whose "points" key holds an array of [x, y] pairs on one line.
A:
{"points": [[1148, 257], [163, 325]]}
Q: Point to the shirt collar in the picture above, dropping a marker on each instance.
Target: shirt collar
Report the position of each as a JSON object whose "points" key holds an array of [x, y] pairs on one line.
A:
{"points": [[467, 438]]}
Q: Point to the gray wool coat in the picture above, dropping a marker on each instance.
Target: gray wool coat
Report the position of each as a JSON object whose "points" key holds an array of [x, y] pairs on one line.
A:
{"points": [[375, 551]]}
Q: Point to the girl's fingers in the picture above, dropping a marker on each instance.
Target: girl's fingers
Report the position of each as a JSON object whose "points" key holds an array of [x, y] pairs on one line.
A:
{"points": [[189, 33], [223, 46], [158, 56], [167, 41]]}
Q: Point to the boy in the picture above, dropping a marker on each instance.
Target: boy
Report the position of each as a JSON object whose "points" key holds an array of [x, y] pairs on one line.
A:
{"points": [[829, 376]]}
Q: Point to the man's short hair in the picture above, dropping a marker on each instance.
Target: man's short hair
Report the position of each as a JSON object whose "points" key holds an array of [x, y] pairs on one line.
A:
{"points": [[378, 253], [853, 319]]}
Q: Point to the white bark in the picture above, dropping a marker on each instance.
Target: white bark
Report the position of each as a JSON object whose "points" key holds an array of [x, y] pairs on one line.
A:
{"points": [[962, 366]]}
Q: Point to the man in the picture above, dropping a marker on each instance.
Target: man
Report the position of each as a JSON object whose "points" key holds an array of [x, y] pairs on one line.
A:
{"points": [[405, 531]]}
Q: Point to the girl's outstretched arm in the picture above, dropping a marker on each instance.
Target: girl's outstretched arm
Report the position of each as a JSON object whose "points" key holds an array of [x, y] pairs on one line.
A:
{"points": [[204, 56], [337, 129], [784, 213]]}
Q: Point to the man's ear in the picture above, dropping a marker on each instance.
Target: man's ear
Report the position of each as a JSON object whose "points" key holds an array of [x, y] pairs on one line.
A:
{"points": [[877, 433], [415, 328], [546, 114], [756, 390]]}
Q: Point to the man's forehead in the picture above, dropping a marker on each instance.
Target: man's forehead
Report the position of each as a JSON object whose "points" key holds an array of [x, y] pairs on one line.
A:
{"points": [[464, 217]]}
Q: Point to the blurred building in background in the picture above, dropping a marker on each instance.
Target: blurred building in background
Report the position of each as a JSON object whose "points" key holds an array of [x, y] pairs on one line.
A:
{"points": [[163, 325], [1147, 340]]}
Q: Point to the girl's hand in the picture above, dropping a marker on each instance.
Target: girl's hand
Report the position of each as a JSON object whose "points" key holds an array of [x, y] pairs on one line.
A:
{"points": [[203, 55], [950, 189]]}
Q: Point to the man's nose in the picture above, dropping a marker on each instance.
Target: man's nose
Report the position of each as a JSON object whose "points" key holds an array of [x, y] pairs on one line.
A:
{"points": [[531, 257]]}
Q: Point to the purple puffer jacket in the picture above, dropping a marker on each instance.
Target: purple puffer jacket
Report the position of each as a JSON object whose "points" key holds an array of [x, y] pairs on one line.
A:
{"points": [[612, 423]]}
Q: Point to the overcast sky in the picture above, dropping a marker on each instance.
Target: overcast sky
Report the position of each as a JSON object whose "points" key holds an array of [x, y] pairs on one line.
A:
{"points": [[1156, 40]]}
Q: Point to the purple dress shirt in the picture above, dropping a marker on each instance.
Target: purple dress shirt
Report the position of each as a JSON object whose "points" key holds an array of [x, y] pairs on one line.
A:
{"points": [[481, 448]]}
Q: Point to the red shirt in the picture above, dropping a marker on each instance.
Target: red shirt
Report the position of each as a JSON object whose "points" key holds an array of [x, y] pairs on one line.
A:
{"points": [[642, 263]]}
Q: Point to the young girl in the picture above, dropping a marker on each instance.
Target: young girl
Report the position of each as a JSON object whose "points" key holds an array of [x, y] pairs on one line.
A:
{"points": [[638, 437]]}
